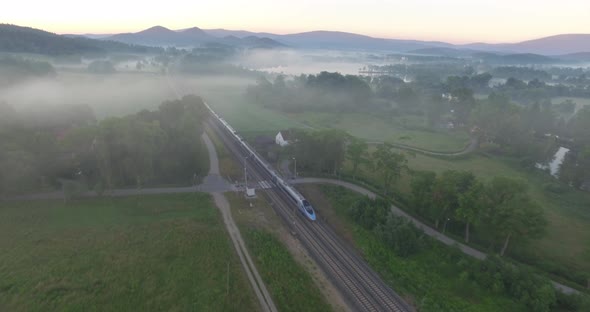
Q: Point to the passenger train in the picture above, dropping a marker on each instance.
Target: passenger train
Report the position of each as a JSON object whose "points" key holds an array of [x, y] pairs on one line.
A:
{"points": [[304, 206]]}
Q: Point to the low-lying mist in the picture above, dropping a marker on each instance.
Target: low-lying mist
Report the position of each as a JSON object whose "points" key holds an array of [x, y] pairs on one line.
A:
{"points": [[114, 94]]}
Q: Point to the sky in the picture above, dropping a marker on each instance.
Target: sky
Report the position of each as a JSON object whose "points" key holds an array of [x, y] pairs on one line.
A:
{"points": [[456, 21]]}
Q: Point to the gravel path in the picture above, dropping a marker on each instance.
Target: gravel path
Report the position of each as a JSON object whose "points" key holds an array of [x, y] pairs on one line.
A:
{"points": [[221, 202]]}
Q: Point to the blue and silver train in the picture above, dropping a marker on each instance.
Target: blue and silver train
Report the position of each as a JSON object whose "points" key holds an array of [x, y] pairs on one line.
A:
{"points": [[304, 206]]}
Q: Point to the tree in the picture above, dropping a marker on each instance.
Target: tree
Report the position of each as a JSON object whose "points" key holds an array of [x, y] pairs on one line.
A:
{"points": [[422, 186], [369, 212], [320, 151], [446, 193], [407, 98], [471, 205], [357, 154], [400, 234], [511, 212], [463, 104], [388, 165]]}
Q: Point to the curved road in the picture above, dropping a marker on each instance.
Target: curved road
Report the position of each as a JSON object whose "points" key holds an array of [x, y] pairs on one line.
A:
{"points": [[473, 142], [427, 229]]}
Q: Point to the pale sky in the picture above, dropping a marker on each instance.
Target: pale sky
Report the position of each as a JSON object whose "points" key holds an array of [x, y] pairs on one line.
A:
{"points": [[457, 21]]}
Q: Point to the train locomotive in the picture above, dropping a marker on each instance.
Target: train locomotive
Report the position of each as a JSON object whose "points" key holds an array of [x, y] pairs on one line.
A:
{"points": [[302, 204]]}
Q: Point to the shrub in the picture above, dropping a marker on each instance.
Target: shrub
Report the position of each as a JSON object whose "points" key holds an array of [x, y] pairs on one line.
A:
{"points": [[401, 235], [369, 213]]}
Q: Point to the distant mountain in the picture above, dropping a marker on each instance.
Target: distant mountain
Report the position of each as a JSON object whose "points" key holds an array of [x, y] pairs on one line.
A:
{"points": [[17, 39], [349, 41], [498, 57], [191, 37], [162, 36], [579, 57], [553, 45], [222, 33], [442, 51], [335, 40]]}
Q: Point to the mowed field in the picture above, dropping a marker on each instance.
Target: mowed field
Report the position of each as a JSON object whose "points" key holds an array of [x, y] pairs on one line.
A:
{"points": [[566, 243], [149, 253], [408, 130]]}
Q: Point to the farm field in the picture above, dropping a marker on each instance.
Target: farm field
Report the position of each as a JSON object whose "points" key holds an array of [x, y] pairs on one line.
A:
{"points": [[408, 130], [158, 253]]}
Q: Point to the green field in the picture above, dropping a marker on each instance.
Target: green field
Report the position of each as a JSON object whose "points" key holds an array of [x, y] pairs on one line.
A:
{"points": [[290, 285], [408, 130], [150, 253], [565, 247]]}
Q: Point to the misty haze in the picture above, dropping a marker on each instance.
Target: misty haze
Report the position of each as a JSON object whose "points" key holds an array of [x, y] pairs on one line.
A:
{"points": [[334, 156]]}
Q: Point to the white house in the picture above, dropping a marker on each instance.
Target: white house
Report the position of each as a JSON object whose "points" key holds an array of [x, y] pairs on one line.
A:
{"points": [[282, 138]]}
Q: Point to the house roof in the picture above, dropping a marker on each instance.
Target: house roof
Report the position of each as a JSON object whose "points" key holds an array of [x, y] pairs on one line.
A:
{"points": [[286, 134]]}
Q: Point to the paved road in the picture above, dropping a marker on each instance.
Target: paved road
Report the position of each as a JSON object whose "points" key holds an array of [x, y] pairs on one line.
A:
{"points": [[427, 229]]}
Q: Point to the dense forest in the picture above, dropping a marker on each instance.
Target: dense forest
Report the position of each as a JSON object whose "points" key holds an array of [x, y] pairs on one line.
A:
{"points": [[16, 39], [65, 147]]}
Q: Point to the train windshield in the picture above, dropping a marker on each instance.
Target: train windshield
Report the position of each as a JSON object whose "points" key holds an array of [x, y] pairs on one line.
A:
{"points": [[307, 206]]}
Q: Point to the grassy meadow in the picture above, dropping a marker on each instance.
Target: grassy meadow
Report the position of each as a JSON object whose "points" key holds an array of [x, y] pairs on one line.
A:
{"points": [[408, 130], [148, 253], [289, 283]]}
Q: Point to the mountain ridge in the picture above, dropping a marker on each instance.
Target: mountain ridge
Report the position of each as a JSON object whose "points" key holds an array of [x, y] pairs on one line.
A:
{"points": [[553, 45]]}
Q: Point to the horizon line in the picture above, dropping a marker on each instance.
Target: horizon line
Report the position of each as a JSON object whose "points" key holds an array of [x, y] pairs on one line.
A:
{"points": [[449, 40]]}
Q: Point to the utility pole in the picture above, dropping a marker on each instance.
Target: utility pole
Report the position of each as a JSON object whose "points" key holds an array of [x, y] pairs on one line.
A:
{"points": [[227, 288], [295, 161], [245, 174]]}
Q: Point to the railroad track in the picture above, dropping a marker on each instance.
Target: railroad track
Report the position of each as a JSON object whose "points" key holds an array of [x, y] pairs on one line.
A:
{"points": [[360, 285]]}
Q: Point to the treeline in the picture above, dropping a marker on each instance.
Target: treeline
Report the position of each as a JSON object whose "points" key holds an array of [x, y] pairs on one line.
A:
{"points": [[211, 60], [524, 73], [17, 39], [16, 69], [493, 274], [71, 150], [325, 151], [330, 92], [498, 211]]}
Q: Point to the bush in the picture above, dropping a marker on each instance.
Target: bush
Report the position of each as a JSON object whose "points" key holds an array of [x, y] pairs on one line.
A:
{"points": [[532, 290], [369, 213], [556, 188], [401, 235], [573, 302]]}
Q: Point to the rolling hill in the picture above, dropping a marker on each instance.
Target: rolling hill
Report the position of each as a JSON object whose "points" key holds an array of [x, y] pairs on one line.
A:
{"points": [[191, 37], [552, 45], [17, 39]]}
